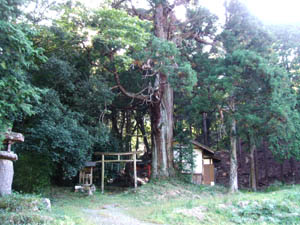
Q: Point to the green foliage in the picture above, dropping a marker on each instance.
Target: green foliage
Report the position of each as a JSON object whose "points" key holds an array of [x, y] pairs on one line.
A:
{"points": [[243, 30], [267, 211], [284, 108], [130, 32], [286, 45], [9, 9], [56, 134], [204, 96], [118, 35], [284, 140], [33, 172], [17, 98], [67, 105], [17, 54], [260, 89], [168, 60], [69, 71], [275, 186], [20, 202], [66, 127]]}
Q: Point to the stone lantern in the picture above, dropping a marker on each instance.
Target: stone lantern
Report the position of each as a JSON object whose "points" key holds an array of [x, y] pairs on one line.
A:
{"points": [[6, 161]]}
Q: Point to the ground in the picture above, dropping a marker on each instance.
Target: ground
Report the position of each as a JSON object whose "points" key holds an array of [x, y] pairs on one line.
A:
{"points": [[170, 202], [111, 215]]}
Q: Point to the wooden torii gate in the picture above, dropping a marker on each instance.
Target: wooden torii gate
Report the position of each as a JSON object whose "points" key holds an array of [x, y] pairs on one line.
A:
{"points": [[118, 160]]}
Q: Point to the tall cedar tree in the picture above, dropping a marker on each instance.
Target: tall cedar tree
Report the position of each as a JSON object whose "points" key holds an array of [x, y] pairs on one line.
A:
{"points": [[245, 79], [174, 71], [125, 42], [260, 99]]}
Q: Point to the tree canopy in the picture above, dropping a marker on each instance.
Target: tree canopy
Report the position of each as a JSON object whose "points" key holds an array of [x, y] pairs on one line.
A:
{"points": [[123, 78]]}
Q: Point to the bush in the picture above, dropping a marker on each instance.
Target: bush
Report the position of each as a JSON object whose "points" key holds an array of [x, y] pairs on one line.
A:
{"points": [[55, 143], [32, 173]]}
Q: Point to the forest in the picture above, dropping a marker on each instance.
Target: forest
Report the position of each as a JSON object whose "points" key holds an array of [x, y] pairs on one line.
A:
{"points": [[125, 77]]}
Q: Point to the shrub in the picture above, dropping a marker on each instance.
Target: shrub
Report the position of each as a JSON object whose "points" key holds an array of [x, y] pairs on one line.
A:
{"points": [[32, 173]]}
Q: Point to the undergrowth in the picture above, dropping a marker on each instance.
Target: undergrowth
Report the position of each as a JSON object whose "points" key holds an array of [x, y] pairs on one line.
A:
{"points": [[172, 202], [264, 212], [27, 209]]}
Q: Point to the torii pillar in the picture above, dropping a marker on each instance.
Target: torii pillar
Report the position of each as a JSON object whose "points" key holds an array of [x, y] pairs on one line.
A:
{"points": [[6, 162]]}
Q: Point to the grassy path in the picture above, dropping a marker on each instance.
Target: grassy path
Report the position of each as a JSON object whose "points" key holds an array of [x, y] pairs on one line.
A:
{"points": [[165, 202], [177, 203], [111, 215]]}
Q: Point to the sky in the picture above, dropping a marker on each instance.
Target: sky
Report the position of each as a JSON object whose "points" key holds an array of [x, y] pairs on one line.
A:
{"points": [[268, 11]]}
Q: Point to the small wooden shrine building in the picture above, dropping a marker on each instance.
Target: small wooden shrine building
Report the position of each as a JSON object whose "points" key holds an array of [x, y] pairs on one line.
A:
{"points": [[204, 159], [86, 173]]}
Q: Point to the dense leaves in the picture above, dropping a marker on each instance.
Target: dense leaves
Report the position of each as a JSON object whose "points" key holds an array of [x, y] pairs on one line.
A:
{"points": [[17, 55], [85, 82]]}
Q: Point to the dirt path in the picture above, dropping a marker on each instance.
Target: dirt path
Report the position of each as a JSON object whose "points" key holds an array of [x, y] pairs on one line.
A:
{"points": [[111, 215]]}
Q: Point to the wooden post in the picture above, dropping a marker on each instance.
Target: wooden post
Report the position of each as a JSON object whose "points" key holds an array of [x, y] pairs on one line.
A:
{"points": [[91, 178], [134, 170], [102, 178]]}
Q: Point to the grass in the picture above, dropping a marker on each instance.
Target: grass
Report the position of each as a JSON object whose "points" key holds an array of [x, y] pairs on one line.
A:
{"points": [[166, 202]]}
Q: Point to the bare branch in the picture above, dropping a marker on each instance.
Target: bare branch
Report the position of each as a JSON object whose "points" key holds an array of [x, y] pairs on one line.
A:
{"points": [[142, 14], [138, 96], [179, 3], [202, 41], [196, 37], [114, 87], [116, 5]]}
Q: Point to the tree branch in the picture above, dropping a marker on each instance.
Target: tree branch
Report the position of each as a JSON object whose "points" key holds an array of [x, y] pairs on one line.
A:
{"points": [[196, 37], [178, 3], [142, 14], [138, 96], [116, 5]]}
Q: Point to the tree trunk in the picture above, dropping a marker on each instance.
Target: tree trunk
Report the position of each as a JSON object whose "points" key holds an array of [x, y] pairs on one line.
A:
{"points": [[252, 165], [292, 169], [162, 110], [114, 121], [141, 126], [266, 178], [128, 131], [233, 182], [205, 129], [162, 134]]}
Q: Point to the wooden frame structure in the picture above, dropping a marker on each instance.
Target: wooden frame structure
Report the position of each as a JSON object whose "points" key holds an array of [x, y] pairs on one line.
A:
{"points": [[118, 160], [86, 174]]}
